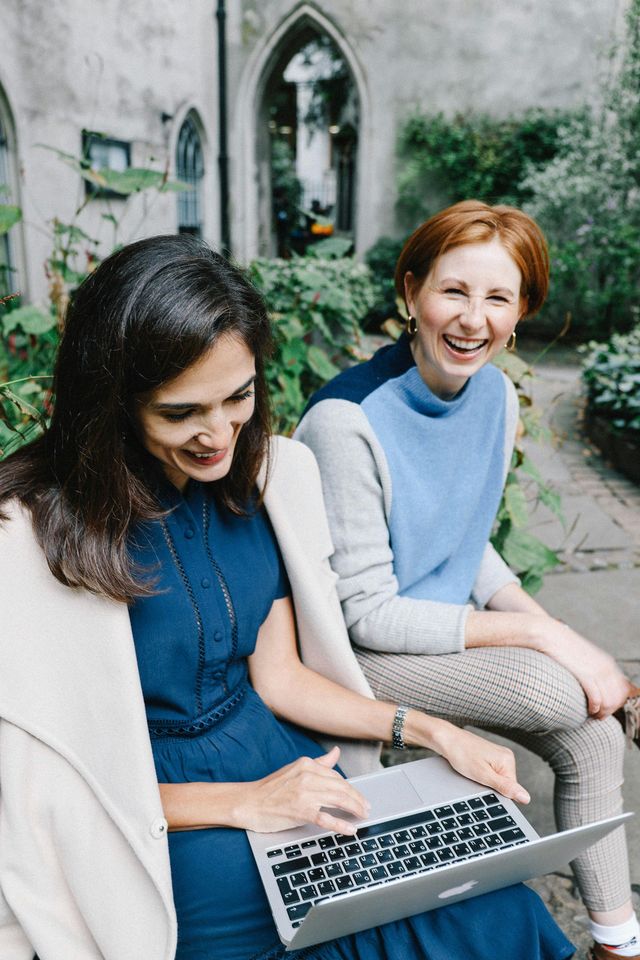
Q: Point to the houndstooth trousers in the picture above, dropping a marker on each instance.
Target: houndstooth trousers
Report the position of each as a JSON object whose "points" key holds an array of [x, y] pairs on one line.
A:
{"points": [[527, 697]]}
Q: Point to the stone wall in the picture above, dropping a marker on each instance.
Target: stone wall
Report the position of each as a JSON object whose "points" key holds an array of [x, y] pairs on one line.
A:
{"points": [[114, 67]]}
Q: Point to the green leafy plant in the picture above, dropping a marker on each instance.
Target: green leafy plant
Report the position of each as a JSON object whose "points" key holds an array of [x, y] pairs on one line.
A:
{"points": [[587, 199], [525, 553], [316, 305], [28, 334], [611, 373], [9, 216], [287, 193], [28, 342], [381, 258], [74, 253], [442, 160]]}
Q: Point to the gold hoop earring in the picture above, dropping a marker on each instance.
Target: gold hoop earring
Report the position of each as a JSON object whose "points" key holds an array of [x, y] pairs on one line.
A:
{"points": [[510, 345], [411, 326]]}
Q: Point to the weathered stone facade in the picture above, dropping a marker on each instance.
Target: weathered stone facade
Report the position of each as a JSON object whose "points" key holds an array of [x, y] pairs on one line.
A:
{"points": [[134, 70]]}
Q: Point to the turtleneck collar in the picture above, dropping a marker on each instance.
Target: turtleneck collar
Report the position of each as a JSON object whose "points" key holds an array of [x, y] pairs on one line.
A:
{"points": [[417, 394]]}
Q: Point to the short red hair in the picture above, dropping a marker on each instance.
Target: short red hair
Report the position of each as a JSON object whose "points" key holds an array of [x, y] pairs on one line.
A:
{"points": [[472, 221]]}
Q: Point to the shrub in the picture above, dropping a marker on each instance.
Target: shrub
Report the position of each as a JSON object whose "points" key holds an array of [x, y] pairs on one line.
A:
{"points": [[381, 259], [28, 344], [316, 305], [611, 373], [444, 160], [587, 199]]}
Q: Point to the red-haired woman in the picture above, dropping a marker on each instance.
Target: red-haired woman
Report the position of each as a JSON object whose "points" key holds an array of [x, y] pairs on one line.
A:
{"points": [[414, 447]]}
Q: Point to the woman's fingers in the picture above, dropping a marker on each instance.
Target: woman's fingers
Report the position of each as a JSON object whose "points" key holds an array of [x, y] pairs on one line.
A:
{"points": [[499, 772], [508, 786], [592, 693], [327, 821], [299, 793], [484, 761], [330, 758], [604, 684]]}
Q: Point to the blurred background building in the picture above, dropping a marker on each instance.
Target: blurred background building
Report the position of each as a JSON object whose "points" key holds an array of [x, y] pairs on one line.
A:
{"points": [[304, 135]]}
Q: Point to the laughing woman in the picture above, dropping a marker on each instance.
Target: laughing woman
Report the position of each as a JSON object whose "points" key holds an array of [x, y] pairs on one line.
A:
{"points": [[156, 552], [413, 449]]}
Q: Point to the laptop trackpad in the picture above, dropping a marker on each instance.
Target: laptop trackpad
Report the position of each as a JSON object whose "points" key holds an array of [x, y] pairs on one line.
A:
{"points": [[390, 794]]}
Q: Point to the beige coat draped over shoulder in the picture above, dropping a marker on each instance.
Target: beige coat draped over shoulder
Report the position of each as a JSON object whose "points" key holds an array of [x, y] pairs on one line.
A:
{"points": [[84, 864]]}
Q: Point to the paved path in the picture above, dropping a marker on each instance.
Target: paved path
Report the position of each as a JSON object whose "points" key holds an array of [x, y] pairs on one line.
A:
{"points": [[596, 589]]}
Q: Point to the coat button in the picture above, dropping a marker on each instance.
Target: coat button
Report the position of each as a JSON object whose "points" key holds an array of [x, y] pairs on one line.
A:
{"points": [[217, 636], [189, 533], [159, 828], [205, 582]]}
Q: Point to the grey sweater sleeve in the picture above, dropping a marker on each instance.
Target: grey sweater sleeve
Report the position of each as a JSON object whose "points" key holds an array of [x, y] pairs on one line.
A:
{"points": [[357, 490], [493, 573]]}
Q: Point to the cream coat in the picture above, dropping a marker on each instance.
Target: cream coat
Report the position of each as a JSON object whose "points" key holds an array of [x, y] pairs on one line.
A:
{"points": [[84, 864]]}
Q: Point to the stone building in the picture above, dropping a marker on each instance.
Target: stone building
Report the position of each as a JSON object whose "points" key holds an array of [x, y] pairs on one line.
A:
{"points": [[145, 77]]}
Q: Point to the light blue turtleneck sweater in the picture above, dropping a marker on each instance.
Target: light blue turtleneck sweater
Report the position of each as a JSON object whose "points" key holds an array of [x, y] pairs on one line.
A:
{"points": [[412, 485]]}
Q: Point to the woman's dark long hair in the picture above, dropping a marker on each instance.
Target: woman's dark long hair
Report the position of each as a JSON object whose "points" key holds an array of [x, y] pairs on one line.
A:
{"points": [[146, 314]]}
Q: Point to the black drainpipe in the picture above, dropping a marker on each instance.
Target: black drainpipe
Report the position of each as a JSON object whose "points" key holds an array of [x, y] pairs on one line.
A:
{"points": [[223, 159]]}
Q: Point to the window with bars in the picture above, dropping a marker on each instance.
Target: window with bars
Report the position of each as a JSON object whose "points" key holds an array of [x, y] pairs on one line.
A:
{"points": [[190, 170]]}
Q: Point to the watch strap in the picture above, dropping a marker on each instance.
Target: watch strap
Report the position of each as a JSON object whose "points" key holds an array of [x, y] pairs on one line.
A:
{"points": [[397, 729]]}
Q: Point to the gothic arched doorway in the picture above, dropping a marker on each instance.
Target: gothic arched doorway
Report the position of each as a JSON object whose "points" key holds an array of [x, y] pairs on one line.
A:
{"points": [[300, 160]]}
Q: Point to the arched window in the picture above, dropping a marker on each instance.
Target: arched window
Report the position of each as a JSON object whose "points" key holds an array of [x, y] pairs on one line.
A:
{"points": [[6, 261], [190, 169]]}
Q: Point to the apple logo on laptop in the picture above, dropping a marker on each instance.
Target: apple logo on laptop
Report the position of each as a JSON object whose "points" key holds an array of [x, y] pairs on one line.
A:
{"points": [[453, 891]]}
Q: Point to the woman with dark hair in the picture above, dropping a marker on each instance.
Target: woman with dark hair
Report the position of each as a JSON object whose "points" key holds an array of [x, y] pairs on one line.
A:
{"points": [[154, 547], [414, 448]]}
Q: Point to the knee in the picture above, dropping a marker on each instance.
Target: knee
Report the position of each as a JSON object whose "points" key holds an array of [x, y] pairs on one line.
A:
{"points": [[605, 746], [556, 699], [592, 752]]}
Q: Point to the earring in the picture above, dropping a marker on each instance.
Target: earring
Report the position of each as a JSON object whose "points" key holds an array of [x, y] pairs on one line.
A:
{"points": [[411, 326], [510, 345]]}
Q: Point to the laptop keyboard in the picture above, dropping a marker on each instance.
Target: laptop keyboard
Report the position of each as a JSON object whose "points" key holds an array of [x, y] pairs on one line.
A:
{"points": [[334, 864]]}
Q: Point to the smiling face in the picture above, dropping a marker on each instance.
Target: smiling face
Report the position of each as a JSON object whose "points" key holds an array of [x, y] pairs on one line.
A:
{"points": [[191, 423], [465, 309]]}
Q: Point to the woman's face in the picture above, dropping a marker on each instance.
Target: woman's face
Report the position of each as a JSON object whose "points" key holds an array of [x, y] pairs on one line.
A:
{"points": [[191, 424], [465, 309]]}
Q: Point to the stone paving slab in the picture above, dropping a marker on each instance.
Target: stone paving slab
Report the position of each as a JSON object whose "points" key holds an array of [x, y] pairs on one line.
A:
{"points": [[603, 605], [572, 464], [586, 527]]}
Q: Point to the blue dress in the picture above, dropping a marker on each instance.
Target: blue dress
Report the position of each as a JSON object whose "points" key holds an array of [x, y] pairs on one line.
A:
{"points": [[216, 577]]}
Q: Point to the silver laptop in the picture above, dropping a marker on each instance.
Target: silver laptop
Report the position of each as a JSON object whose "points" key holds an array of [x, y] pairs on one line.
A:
{"points": [[432, 837]]}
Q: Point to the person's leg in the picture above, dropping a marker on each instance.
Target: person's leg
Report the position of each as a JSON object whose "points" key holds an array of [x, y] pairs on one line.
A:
{"points": [[587, 762], [499, 687], [529, 698]]}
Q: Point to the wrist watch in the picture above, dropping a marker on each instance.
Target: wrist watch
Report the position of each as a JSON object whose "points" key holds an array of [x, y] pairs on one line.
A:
{"points": [[397, 741]]}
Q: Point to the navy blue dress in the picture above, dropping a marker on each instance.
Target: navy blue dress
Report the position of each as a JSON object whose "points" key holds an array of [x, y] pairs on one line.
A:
{"points": [[217, 576]]}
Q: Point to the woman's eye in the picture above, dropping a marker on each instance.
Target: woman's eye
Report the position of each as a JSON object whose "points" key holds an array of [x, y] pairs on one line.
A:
{"points": [[238, 397], [456, 291], [176, 417], [496, 298]]}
